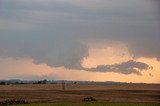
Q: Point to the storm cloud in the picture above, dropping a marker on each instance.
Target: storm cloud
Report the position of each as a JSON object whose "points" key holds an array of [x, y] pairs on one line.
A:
{"points": [[128, 67], [55, 32]]}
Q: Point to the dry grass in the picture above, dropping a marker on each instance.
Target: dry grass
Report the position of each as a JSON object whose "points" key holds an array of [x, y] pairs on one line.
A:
{"points": [[93, 104], [51, 93]]}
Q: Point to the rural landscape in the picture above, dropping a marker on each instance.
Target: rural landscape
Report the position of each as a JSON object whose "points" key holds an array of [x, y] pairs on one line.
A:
{"points": [[79, 52], [54, 93]]}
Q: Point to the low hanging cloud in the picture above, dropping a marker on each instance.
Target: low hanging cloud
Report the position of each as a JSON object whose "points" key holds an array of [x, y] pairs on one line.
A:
{"points": [[54, 32], [128, 67]]}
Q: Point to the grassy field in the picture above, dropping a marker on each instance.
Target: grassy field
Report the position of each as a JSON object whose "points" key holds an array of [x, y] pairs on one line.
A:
{"points": [[53, 93], [93, 104]]}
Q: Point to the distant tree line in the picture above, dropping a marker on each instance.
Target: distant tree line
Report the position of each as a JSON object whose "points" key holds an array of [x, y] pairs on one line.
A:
{"points": [[2, 83], [40, 82], [18, 82], [8, 83]]}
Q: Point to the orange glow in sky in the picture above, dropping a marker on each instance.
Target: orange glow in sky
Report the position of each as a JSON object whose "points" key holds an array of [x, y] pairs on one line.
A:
{"points": [[27, 69]]}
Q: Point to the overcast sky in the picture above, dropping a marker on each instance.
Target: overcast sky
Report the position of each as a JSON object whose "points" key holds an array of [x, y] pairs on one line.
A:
{"points": [[63, 33]]}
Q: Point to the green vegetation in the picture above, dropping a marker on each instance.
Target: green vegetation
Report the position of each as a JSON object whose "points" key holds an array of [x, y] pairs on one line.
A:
{"points": [[92, 104]]}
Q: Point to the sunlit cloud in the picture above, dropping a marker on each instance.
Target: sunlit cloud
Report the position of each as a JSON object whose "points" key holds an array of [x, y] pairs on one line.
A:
{"points": [[12, 68], [50, 37]]}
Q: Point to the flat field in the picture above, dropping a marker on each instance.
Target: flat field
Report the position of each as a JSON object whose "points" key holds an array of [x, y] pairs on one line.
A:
{"points": [[74, 93], [93, 104]]}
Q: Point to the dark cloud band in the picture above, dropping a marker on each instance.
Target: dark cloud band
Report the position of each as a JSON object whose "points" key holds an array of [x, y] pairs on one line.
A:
{"points": [[128, 67]]}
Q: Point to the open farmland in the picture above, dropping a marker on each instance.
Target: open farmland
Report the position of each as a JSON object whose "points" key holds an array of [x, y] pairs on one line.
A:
{"points": [[93, 104], [52, 93]]}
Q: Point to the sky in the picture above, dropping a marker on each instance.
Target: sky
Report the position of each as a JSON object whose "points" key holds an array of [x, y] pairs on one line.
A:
{"points": [[87, 40]]}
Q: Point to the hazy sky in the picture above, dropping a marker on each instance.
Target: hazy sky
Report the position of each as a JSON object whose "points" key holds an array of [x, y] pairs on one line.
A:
{"points": [[99, 40]]}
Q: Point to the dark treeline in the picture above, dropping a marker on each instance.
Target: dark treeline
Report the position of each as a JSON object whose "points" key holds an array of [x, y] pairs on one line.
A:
{"points": [[18, 82]]}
